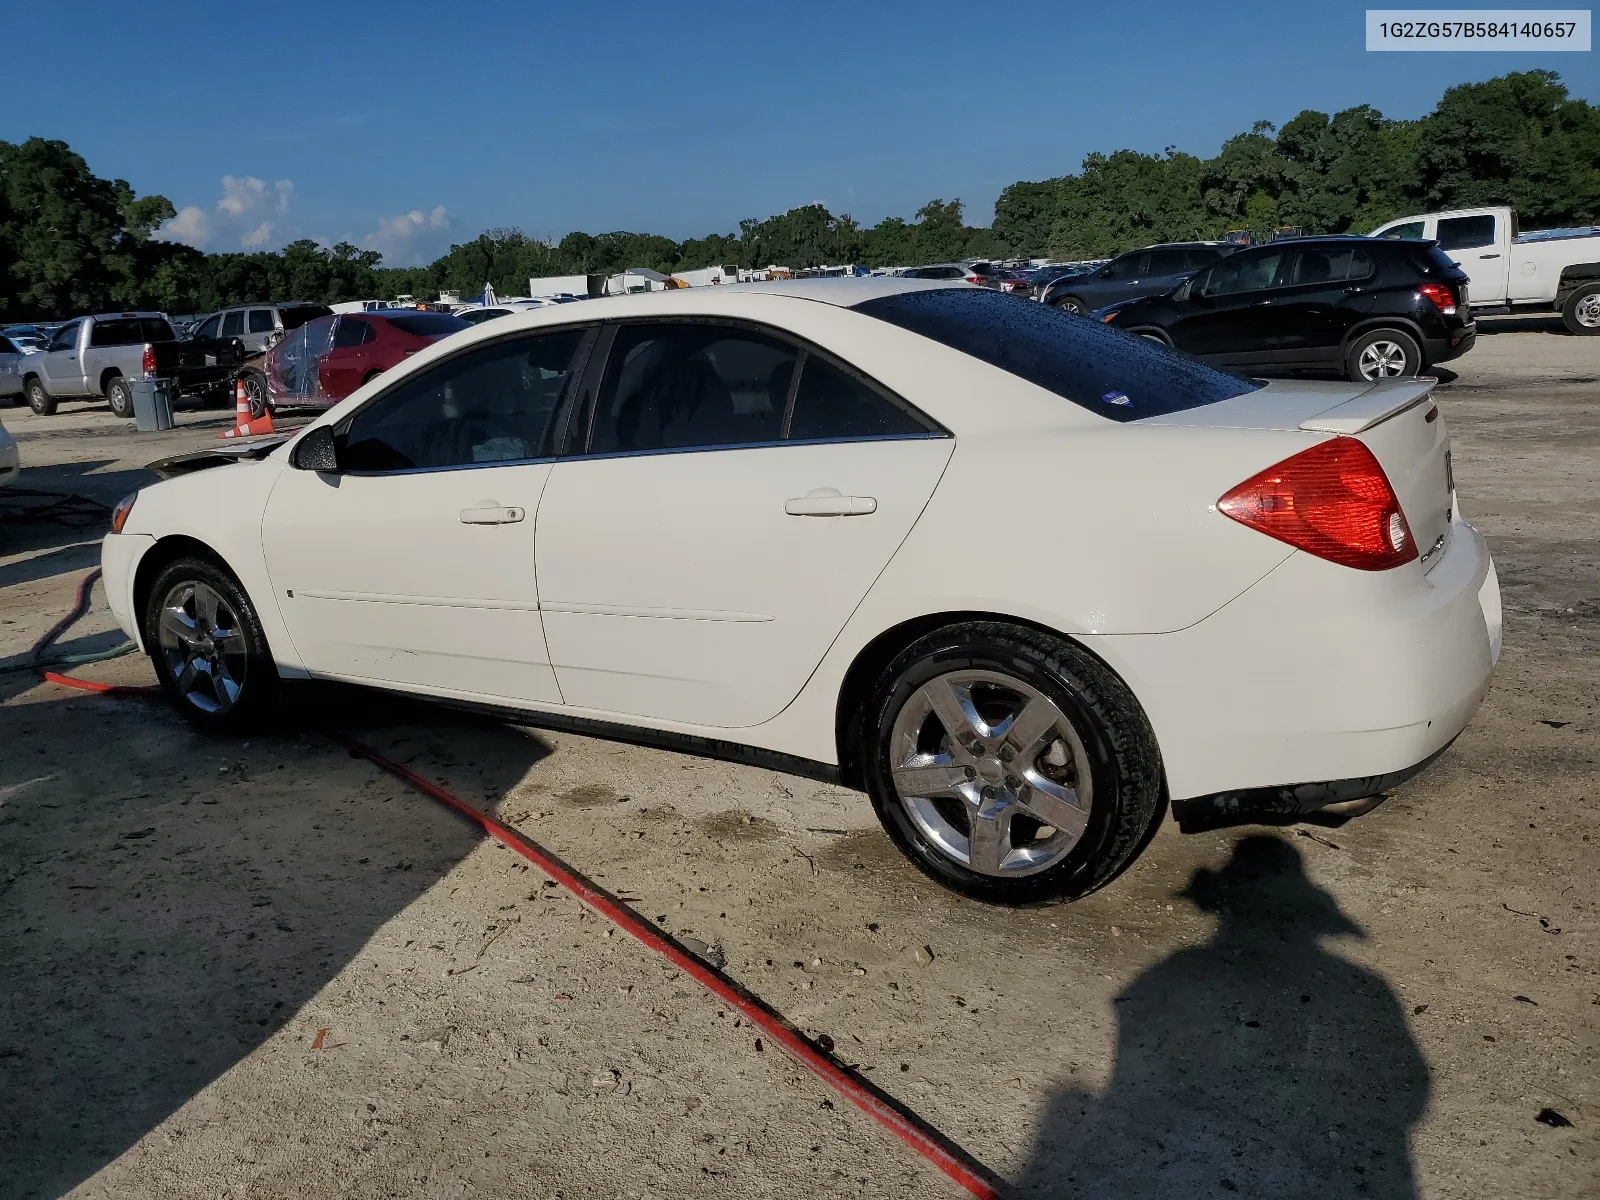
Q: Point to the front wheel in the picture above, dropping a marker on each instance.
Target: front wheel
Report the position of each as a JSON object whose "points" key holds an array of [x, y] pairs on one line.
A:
{"points": [[1382, 354], [1071, 304], [1581, 313], [1010, 765], [256, 394], [41, 401], [119, 396], [208, 647]]}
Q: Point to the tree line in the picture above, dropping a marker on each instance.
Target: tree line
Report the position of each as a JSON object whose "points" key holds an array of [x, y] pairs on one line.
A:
{"points": [[72, 242]]}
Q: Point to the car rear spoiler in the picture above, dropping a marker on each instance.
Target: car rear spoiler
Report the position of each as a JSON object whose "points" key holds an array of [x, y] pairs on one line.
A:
{"points": [[1373, 406], [202, 460]]}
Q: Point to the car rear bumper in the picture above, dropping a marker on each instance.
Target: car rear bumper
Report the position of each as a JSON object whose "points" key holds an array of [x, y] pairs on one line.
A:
{"points": [[1320, 673], [1453, 344], [119, 563]]}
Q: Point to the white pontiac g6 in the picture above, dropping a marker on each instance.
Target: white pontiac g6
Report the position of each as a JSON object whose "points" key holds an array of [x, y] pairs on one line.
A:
{"points": [[1024, 579]]}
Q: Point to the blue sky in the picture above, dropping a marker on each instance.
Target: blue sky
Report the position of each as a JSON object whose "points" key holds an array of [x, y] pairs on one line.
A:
{"points": [[406, 126]]}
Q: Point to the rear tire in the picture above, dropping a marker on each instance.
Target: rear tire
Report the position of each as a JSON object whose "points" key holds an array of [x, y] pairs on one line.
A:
{"points": [[1064, 787], [255, 391], [1581, 313], [119, 396], [1381, 354], [41, 401], [206, 643]]}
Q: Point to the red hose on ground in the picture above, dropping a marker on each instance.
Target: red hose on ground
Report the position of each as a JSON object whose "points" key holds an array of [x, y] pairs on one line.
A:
{"points": [[877, 1104]]}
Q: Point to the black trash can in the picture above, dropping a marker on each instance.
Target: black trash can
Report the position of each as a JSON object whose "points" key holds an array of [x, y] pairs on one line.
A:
{"points": [[152, 404]]}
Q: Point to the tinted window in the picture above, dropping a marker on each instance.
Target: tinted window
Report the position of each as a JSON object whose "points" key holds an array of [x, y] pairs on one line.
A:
{"points": [[833, 404], [232, 324], [297, 315], [1244, 273], [351, 332], [1411, 231], [429, 324], [7, 347], [1105, 370], [261, 320], [65, 338], [122, 332], [1464, 233], [1201, 256], [1168, 262], [674, 387], [1330, 264], [1129, 266], [208, 327], [484, 314], [494, 404]]}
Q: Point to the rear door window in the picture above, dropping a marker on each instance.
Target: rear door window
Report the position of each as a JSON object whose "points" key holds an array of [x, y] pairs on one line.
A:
{"points": [[1329, 264], [830, 403], [232, 324], [691, 386], [1201, 256], [351, 332], [1168, 262], [1102, 369], [1466, 233]]}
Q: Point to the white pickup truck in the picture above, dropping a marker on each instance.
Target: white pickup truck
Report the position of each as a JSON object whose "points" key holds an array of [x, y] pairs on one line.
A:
{"points": [[1511, 271]]}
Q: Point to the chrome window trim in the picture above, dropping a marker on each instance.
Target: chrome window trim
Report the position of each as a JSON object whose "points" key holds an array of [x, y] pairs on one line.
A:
{"points": [[473, 466], [767, 445]]}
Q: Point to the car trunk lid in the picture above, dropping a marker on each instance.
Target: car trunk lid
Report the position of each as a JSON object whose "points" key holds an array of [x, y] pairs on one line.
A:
{"points": [[1396, 419]]}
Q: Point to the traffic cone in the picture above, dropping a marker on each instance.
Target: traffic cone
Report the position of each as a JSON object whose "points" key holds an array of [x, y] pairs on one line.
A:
{"points": [[244, 426]]}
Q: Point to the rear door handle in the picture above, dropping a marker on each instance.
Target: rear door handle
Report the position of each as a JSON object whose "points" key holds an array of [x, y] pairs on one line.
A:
{"points": [[827, 502], [1488, 256], [491, 512]]}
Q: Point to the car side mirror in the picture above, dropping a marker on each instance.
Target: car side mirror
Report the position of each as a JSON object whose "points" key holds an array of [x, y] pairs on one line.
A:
{"points": [[317, 451], [1181, 292], [1107, 273]]}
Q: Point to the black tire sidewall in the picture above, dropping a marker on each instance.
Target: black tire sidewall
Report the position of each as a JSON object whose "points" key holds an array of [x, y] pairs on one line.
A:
{"points": [[1072, 305], [261, 676], [1352, 358], [1104, 715], [255, 387], [119, 387], [1569, 312], [39, 400]]}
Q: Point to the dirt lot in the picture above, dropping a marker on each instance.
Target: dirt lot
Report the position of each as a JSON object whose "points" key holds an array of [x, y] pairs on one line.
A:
{"points": [[262, 968]]}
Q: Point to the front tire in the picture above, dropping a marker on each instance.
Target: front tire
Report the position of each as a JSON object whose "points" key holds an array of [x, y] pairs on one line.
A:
{"points": [[41, 401], [1581, 313], [208, 648], [255, 391], [119, 396], [1071, 304], [1010, 765], [1381, 354]]}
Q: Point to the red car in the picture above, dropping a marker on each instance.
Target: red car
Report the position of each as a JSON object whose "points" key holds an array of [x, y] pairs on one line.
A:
{"points": [[325, 360]]}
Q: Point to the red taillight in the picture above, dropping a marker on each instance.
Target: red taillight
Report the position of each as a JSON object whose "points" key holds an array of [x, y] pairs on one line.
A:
{"points": [[977, 279], [1333, 501], [149, 364], [1441, 295]]}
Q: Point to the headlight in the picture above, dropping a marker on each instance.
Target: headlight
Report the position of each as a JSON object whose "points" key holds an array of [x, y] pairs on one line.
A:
{"points": [[119, 514]]}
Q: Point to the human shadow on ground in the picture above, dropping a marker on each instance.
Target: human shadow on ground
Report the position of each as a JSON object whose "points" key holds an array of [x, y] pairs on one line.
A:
{"points": [[169, 902], [1255, 1065]]}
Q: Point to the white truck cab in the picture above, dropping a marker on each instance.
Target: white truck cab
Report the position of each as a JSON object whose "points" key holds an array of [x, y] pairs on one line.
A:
{"points": [[1510, 270]]}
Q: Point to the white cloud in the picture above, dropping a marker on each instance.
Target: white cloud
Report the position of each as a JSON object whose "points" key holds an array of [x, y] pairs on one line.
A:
{"points": [[411, 237], [238, 222]]}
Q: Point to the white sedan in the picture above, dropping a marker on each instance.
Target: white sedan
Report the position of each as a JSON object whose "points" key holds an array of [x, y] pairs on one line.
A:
{"points": [[1024, 579]]}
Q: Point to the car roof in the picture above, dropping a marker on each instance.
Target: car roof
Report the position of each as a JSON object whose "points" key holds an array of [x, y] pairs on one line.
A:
{"points": [[118, 316], [843, 291]]}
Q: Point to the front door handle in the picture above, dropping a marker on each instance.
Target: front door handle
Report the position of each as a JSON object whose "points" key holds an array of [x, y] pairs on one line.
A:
{"points": [[1488, 256], [491, 512], [827, 502]]}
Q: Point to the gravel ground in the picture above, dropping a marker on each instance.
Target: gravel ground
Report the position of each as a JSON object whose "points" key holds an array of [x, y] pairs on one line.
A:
{"points": [[262, 968]]}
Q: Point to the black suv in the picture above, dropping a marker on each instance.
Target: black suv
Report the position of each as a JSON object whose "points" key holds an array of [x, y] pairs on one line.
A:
{"points": [[1370, 308], [1147, 272]]}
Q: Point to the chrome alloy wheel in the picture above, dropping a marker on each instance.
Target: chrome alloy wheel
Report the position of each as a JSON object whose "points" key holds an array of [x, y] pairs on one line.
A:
{"points": [[991, 772], [1587, 311], [1382, 360], [203, 646]]}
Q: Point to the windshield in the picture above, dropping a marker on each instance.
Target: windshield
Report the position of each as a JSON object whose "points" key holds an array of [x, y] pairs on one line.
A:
{"points": [[429, 324], [1102, 369]]}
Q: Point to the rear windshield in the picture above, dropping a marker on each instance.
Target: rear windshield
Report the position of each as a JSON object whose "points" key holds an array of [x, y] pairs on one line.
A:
{"points": [[1105, 370], [131, 331], [297, 315], [429, 324], [1436, 262]]}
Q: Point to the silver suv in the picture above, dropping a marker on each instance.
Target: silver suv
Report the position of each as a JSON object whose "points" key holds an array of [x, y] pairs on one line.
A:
{"points": [[259, 326]]}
